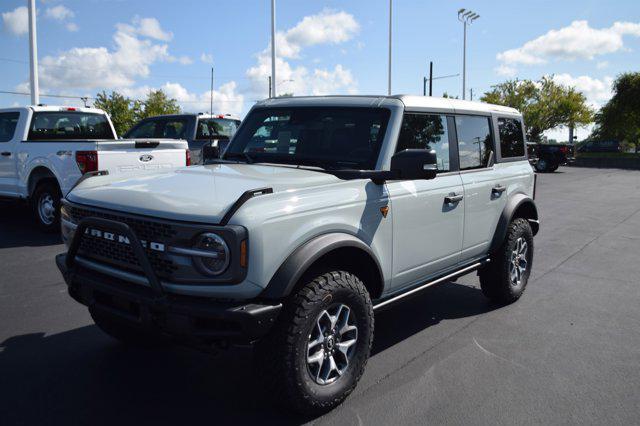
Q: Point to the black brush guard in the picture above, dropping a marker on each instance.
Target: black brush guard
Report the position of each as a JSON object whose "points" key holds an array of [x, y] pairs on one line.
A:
{"points": [[195, 319]]}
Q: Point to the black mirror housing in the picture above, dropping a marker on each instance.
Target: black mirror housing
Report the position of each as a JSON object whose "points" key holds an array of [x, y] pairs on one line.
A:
{"points": [[412, 164], [210, 152]]}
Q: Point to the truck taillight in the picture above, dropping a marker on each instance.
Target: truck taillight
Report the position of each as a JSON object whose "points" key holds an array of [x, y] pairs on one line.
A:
{"points": [[188, 153], [87, 161]]}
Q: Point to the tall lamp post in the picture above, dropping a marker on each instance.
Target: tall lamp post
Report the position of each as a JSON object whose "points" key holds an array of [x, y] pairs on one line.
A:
{"points": [[466, 17], [273, 49], [33, 54]]}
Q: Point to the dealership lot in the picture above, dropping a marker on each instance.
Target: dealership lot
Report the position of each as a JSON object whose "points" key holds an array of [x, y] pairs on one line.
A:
{"points": [[568, 351]]}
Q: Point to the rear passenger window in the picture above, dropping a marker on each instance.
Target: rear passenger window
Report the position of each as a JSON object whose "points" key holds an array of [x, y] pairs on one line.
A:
{"points": [[474, 141], [423, 131], [511, 138], [8, 122]]}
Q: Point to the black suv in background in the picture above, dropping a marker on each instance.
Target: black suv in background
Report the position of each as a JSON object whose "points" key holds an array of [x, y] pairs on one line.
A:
{"points": [[600, 146], [197, 129], [548, 157]]}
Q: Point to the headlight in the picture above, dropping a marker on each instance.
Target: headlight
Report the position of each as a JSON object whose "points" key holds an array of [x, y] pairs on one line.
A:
{"points": [[67, 227], [214, 258]]}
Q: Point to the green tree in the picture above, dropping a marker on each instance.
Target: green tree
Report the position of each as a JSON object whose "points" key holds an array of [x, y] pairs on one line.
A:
{"points": [[158, 103], [123, 111], [619, 118], [544, 104]]}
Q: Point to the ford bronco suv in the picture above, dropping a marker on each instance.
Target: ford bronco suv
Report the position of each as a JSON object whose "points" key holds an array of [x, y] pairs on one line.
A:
{"points": [[321, 211]]}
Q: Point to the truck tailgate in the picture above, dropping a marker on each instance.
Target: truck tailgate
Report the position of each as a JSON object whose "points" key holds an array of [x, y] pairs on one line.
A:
{"points": [[127, 156]]}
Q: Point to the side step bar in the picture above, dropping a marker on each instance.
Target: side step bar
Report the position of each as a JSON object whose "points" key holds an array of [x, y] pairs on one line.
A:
{"points": [[421, 287]]}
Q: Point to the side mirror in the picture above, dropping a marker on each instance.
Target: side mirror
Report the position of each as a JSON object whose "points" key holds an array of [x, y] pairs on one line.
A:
{"points": [[210, 152], [412, 164]]}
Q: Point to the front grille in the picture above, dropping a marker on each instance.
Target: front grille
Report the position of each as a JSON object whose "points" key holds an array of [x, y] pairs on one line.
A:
{"points": [[120, 254]]}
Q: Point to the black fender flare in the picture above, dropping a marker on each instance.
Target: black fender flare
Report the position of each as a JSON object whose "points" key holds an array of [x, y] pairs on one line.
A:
{"points": [[291, 270], [516, 201]]}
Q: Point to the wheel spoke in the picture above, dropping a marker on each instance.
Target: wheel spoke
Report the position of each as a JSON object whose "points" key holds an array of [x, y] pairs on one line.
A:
{"points": [[316, 358]]}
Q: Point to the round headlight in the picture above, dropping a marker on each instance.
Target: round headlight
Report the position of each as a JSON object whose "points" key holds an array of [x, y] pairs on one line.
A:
{"points": [[215, 254]]}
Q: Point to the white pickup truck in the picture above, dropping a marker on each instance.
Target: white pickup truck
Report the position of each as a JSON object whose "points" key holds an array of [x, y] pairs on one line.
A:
{"points": [[45, 150]]}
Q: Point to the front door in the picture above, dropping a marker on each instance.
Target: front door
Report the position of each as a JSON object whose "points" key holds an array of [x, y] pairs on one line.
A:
{"points": [[8, 140], [428, 215]]}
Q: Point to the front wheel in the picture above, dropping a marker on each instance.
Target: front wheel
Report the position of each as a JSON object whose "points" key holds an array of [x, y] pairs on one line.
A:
{"points": [[317, 352], [45, 204], [505, 278]]}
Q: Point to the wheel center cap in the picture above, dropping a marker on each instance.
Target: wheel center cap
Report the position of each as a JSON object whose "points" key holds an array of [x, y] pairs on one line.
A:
{"points": [[330, 342]]}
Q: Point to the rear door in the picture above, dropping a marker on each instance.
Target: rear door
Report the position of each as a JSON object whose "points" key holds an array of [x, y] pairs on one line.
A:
{"points": [[8, 161], [427, 230], [484, 186]]}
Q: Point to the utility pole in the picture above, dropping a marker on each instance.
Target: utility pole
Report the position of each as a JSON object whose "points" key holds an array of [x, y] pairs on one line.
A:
{"points": [[273, 48], [211, 94], [390, 20], [269, 86], [471, 90], [466, 17], [33, 54], [430, 78]]}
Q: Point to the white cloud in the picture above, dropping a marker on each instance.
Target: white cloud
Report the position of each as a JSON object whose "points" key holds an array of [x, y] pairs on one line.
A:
{"points": [[326, 27], [602, 65], [146, 27], [595, 90], [226, 99], [505, 70], [59, 13], [100, 67], [576, 41], [71, 26], [182, 60], [16, 21], [207, 58]]}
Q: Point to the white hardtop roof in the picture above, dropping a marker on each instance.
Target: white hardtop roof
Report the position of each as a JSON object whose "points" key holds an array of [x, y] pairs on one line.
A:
{"points": [[55, 108], [409, 101]]}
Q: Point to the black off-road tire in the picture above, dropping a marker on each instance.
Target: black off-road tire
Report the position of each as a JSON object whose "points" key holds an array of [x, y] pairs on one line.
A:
{"points": [[495, 278], [47, 193], [281, 358], [126, 333]]}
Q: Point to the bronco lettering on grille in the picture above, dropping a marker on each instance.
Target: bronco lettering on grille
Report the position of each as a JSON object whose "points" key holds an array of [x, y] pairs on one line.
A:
{"points": [[122, 239]]}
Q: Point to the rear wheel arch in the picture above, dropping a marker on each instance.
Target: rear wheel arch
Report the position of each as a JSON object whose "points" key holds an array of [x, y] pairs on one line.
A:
{"points": [[339, 251], [518, 206], [38, 175]]}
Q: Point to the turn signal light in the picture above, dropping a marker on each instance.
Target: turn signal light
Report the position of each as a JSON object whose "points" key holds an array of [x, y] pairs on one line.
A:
{"points": [[188, 153], [243, 253]]}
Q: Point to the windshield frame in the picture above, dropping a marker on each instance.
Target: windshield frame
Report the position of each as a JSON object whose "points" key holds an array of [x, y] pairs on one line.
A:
{"points": [[386, 115]]}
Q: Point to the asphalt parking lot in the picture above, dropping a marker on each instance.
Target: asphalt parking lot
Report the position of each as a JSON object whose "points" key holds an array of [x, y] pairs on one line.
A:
{"points": [[567, 352]]}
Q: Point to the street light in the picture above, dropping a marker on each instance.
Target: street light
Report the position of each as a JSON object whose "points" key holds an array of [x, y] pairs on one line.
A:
{"points": [[466, 17]]}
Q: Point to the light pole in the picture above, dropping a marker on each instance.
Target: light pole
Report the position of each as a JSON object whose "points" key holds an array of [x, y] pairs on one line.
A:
{"points": [[33, 54], [389, 74], [273, 48], [466, 17]]}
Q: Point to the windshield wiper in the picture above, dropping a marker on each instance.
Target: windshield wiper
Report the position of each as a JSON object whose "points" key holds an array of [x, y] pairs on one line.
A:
{"points": [[240, 156]]}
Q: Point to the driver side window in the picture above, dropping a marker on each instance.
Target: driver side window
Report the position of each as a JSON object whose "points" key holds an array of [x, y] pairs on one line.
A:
{"points": [[426, 131]]}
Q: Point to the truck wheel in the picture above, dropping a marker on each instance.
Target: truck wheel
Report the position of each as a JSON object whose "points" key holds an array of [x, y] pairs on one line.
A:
{"points": [[318, 350], [45, 204], [504, 279], [124, 333], [542, 165]]}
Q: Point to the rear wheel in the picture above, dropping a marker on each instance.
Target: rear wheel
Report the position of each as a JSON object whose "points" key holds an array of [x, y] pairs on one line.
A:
{"points": [[45, 205], [317, 352], [505, 278], [542, 165]]}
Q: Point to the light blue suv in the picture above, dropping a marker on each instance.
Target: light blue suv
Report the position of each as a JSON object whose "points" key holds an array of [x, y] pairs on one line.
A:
{"points": [[321, 211]]}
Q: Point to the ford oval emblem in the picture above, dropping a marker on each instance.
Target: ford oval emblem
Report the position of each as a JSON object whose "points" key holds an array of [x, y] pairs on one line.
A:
{"points": [[146, 158]]}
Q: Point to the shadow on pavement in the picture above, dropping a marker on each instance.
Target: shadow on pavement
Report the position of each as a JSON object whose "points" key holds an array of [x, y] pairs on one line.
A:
{"points": [[81, 376], [18, 227]]}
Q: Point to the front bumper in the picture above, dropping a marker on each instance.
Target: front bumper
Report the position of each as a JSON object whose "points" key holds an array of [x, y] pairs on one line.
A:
{"points": [[191, 319]]}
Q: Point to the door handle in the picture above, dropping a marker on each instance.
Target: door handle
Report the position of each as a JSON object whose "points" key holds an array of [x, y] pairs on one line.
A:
{"points": [[453, 198], [498, 189], [6, 154]]}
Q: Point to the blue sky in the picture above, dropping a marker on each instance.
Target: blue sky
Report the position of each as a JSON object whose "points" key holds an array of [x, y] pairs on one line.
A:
{"points": [[325, 47]]}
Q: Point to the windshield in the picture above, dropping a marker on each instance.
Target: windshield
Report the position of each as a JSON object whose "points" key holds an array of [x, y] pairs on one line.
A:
{"points": [[68, 125], [328, 137], [216, 128]]}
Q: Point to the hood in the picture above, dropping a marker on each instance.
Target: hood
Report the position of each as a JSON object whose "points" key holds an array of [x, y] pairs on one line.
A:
{"points": [[197, 193]]}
